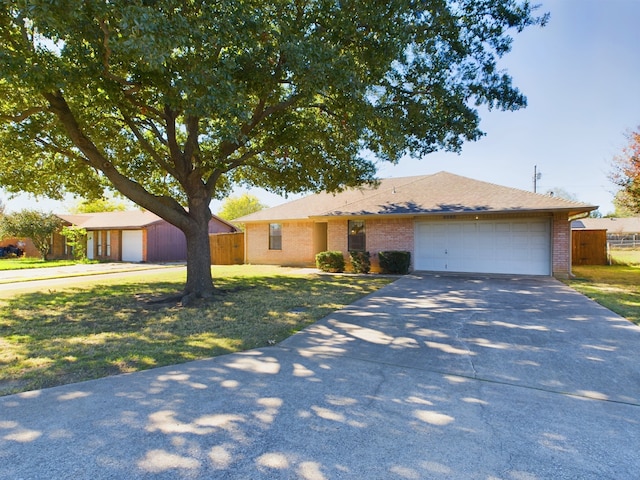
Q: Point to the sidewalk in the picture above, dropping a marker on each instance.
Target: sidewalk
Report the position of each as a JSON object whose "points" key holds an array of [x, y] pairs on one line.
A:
{"points": [[46, 273]]}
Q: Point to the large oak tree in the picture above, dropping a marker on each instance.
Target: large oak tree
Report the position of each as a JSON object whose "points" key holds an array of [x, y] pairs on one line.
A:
{"points": [[173, 102]]}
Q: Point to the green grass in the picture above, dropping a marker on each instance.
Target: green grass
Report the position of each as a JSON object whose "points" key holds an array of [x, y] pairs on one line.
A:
{"points": [[625, 257], [30, 262], [616, 287], [76, 334]]}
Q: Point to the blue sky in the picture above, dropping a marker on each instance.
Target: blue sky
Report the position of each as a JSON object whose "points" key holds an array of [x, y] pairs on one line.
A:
{"points": [[581, 76]]}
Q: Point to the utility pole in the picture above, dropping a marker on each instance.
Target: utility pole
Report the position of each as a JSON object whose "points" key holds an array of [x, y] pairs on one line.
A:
{"points": [[536, 177]]}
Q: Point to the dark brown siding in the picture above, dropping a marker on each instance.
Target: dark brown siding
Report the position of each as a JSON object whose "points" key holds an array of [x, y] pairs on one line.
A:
{"points": [[165, 243]]}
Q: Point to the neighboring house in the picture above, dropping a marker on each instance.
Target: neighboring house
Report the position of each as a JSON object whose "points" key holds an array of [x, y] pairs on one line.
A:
{"points": [[621, 232], [448, 223], [132, 236]]}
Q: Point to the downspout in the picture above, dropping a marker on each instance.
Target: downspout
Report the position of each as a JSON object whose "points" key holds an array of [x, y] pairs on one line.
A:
{"points": [[246, 243]]}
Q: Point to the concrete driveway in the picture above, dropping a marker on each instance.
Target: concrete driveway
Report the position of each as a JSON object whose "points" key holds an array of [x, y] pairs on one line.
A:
{"points": [[431, 377]]}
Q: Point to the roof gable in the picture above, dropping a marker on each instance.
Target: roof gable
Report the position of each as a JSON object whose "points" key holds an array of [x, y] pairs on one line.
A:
{"points": [[440, 193], [128, 220], [112, 220]]}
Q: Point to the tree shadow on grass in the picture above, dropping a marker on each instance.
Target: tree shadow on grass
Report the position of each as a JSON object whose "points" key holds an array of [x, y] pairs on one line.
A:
{"points": [[59, 337]]}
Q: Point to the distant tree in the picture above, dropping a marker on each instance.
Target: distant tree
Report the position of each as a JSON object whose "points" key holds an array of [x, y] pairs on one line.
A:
{"points": [[595, 214], [626, 173], [620, 202], [236, 207], [1, 209], [562, 193], [99, 205], [37, 226]]}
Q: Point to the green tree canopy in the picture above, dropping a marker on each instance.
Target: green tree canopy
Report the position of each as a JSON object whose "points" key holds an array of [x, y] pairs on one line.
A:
{"points": [[173, 102], [38, 226], [99, 205], [236, 207]]}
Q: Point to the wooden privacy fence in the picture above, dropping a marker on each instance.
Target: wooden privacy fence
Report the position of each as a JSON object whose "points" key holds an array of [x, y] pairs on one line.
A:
{"points": [[227, 248], [589, 247]]}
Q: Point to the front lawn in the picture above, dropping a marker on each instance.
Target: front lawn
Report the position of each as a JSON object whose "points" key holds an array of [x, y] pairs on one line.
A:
{"points": [[617, 287], [625, 256], [58, 337], [31, 262]]}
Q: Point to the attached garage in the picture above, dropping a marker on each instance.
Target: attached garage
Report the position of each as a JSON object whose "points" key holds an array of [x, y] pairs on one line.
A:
{"points": [[487, 246]]}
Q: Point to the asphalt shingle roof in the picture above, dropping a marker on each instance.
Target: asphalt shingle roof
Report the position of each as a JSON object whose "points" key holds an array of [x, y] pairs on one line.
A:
{"points": [[612, 225], [439, 193], [112, 220]]}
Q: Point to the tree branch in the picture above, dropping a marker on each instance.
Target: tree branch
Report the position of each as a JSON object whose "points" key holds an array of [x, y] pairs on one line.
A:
{"points": [[146, 145], [172, 140], [153, 128], [62, 151], [259, 114], [23, 115], [191, 145], [133, 87], [211, 181], [165, 207]]}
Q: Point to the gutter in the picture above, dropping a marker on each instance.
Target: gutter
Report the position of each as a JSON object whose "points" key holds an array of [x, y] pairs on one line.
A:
{"points": [[580, 216]]}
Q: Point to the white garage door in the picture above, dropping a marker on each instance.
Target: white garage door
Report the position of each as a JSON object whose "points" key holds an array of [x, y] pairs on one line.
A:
{"points": [[132, 245], [506, 246]]}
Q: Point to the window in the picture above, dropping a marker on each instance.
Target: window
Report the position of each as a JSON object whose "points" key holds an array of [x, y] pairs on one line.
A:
{"points": [[66, 248], [108, 243], [357, 236], [275, 236]]}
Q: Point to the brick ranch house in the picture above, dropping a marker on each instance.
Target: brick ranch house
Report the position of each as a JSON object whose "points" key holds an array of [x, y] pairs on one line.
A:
{"points": [[132, 236], [447, 222]]}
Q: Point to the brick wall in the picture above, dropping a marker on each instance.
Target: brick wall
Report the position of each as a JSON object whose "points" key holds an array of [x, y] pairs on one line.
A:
{"points": [[561, 248], [389, 234], [25, 244], [381, 234], [298, 247], [337, 235], [297, 244]]}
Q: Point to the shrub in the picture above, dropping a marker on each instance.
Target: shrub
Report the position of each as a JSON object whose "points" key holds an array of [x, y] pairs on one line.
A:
{"points": [[332, 261], [360, 261], [395, 262], [77, 239]]}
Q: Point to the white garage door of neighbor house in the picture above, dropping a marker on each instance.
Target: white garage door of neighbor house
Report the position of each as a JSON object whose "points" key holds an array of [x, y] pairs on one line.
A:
{"points": [[132, 245], [505, 246]]}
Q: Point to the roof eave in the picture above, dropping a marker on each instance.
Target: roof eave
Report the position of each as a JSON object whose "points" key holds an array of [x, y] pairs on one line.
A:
{"points": [[434, 213], [571, 211]]}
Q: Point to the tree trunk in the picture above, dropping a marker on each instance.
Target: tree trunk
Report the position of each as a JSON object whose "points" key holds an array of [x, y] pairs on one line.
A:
{"points": [[199, 280]]}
